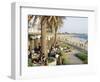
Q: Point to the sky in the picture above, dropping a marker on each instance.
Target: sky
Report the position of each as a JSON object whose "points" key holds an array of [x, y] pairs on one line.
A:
{"points": [[75, 25]]}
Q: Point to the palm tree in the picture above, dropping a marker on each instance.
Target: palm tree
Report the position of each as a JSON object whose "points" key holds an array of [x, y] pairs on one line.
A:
{"points": [[52, 22], [44, 26], [47, 22], [29, 38], [31, 23], [57, 24]]}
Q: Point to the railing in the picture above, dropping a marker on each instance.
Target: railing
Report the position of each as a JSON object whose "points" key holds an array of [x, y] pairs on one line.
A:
{"points": [[74, 42]]}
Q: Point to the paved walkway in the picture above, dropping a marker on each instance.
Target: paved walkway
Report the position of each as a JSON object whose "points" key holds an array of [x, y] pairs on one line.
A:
{"points": [[73, 59]]}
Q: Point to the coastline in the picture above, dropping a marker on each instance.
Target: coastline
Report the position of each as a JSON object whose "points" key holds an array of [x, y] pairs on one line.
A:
{"points": [[68, 38]]}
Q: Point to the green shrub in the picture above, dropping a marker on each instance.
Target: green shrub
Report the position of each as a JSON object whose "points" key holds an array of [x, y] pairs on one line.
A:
{"points": [[83, 56], [30, 62], [62, 59], [50, 59]]}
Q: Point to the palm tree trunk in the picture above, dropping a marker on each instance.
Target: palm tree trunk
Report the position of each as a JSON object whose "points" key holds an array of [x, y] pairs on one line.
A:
{"points": [[30, 48], [44, 43], [55, 39]]}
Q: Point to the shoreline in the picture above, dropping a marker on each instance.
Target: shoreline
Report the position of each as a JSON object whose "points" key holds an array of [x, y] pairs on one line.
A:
{"points": [[66, 38]]}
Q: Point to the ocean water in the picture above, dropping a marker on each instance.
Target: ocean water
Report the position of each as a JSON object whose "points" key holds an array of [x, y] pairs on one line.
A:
{"points": [[82, 37]]}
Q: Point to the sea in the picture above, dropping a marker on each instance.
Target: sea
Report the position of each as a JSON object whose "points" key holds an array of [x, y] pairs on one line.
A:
{"points": [[82, 37]]}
